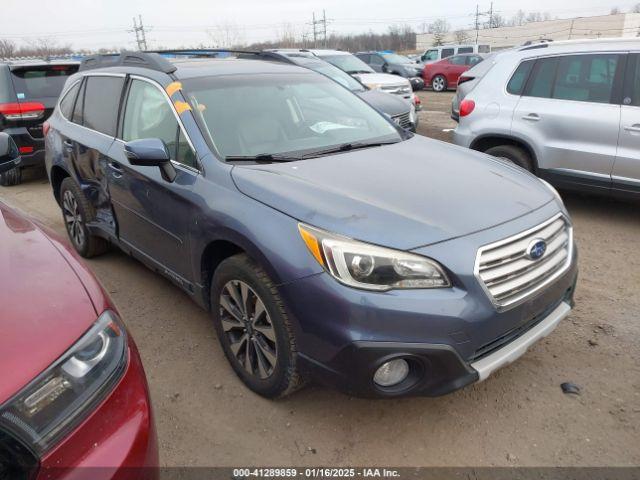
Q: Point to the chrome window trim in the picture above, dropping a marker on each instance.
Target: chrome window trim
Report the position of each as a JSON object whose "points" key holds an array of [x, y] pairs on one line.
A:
{"points": [[526, 296]]}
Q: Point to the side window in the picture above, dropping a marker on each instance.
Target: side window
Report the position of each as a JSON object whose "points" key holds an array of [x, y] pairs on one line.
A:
{"points": [[364, 57], [78, 109], [465, 50], [377, 60], [149, 115], [457, 60], [101, 102], [473, 60], [67, 103], [541, 82], [430, 55], [519, 77], [632, 82], [586, 78], [447, 52]]}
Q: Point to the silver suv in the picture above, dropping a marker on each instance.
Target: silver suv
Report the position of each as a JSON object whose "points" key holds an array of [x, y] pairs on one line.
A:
{"points": [[567, 111]]}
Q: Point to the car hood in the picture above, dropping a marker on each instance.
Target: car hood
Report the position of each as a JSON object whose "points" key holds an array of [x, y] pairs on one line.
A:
{"points": [[44, 307], [406, 195], [381, 79], [387, 103]]}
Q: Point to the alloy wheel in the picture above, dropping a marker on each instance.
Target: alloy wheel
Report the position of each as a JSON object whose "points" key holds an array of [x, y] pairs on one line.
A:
{"points": [[73, 218], [438, 84], [248, 329]]}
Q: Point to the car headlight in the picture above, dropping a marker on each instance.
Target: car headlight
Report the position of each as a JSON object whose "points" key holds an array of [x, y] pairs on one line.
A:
{"points": [[58, 399], [370, 267], [373, 86]]}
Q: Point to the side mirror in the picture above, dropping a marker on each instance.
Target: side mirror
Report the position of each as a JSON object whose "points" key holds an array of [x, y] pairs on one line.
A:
{"points": [[385, 67], [9, 154], [151, 152]]}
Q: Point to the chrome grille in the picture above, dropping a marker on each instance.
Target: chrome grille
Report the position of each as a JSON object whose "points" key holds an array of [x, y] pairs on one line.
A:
{"points": [[396, 89], [510, 275], [403, 120]]}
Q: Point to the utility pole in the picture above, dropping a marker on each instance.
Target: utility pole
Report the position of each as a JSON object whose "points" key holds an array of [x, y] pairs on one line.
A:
{"points": [[141, 39], [319, 29], [477, 22], [491, 16]]}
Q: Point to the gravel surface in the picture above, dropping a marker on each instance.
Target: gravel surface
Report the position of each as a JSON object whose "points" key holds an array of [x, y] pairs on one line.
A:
{"points": [[519, 416]]}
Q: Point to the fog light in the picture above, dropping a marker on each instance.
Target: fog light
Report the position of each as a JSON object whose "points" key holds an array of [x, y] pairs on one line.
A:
{"points": [[391, 373]]}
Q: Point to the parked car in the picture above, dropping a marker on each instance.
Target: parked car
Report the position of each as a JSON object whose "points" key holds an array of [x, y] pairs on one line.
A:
{"points": [[567, 111], [399, 110], [29, 90], [467, 81], [387, 62], [445, 51], [73, 393], [351, 64], [327, 243], [444, 74]]}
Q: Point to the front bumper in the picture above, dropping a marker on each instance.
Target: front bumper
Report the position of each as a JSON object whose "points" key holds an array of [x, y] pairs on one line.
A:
{"points": [[116, 442]]}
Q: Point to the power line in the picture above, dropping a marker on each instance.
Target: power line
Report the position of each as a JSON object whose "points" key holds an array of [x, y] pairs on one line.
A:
{"points": [[319, 29]]}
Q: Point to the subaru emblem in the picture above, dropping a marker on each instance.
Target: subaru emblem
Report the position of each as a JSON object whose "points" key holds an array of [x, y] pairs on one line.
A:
{"points": [[536, 249]]}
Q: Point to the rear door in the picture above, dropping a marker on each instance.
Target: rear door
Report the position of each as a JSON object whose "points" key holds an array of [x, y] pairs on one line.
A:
{"points": [[626, 170], [569, 113], [153, 214], [94, 124], [454, 68], [377, 63]]}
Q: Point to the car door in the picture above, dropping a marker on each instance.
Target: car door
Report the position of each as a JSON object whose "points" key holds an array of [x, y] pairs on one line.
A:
{"points": [[454, 68], [154, 214], [93, 127], [625, 174], [377, 63], [569, 113]]}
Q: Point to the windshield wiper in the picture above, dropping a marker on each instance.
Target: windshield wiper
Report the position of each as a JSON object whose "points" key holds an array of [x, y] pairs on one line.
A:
{"points": [[346, 147], [262, 157]]}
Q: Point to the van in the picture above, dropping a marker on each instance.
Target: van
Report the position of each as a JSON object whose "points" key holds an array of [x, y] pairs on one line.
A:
{"points": [[443, 51]]}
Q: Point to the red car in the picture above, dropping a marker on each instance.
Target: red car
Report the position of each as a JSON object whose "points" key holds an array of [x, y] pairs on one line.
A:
{"points": [[73, 392], [444, 74]]}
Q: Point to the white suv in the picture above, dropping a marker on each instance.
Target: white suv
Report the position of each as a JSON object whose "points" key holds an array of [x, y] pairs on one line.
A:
{"points": [[567, 111]]}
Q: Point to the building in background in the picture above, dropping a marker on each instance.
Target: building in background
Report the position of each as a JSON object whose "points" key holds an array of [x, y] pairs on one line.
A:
{"points": [[605, 26]]}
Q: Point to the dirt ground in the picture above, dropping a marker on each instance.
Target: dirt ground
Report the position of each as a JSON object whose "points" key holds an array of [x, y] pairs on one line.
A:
{"points": [[519, 416]]}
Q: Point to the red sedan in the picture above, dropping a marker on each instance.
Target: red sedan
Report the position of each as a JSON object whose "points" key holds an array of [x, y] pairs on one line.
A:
{"points": [[445, 73], [74, 401]]}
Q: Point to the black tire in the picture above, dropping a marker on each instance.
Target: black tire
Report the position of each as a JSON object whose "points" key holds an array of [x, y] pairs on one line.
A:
{"points": [[439, 83], [512, 153], [11, 177], [282, 377], [76, 216]]}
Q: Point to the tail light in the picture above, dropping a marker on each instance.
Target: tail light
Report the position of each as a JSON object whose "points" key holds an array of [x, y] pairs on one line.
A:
{"points": [[22, 111], [461, 80], [416, 100], [45, 128], [466, 107], [25, 150]]}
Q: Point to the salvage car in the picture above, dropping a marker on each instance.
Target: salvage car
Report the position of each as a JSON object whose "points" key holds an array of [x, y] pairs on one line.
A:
{"points": [[446, 73], [389, 62], [328, 243], [29, 90], [73, 392]]}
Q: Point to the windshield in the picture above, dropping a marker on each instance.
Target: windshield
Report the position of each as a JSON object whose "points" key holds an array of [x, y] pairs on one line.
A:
{"points": [[430, 55], [395, 58], [348, 63], [274, 114], [335, 74]]}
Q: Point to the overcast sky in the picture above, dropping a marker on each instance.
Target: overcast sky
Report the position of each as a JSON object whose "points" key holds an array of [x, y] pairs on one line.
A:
{"points": [[104, 23]]}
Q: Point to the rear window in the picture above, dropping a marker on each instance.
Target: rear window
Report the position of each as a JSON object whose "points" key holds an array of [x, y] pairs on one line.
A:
{"points": [[465, 50], [519, 77], [447, 52], [41, 81]]}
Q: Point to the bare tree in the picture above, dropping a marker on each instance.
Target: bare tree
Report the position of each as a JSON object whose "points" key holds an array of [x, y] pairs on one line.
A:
{"points": [[518, 19], [614, 11], [497, 21], [226, 35], [7, 48], [461, 36], [636, 8], [534, 17], [439, 30], [286, 35]]}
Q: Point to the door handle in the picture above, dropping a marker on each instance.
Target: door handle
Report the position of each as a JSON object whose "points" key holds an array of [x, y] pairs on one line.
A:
{"points": [[534, 117], [68, 144], [633, 128], [116, 169]]}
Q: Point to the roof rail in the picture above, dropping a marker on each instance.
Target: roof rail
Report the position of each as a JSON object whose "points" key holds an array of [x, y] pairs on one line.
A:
{"points": [[131, 59], [534, 47], [203, 52]]}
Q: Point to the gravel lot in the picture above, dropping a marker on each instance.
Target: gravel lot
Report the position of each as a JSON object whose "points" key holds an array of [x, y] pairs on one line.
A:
{"points": [[519, 416]]}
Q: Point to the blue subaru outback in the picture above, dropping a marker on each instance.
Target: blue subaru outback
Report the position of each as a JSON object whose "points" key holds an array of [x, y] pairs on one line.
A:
{"points": [[328, 243]]}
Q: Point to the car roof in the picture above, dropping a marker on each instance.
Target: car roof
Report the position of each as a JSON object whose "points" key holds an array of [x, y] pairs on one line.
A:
{"points": [[327, 51], [37, 62], [571, 46], [205, 67]]}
